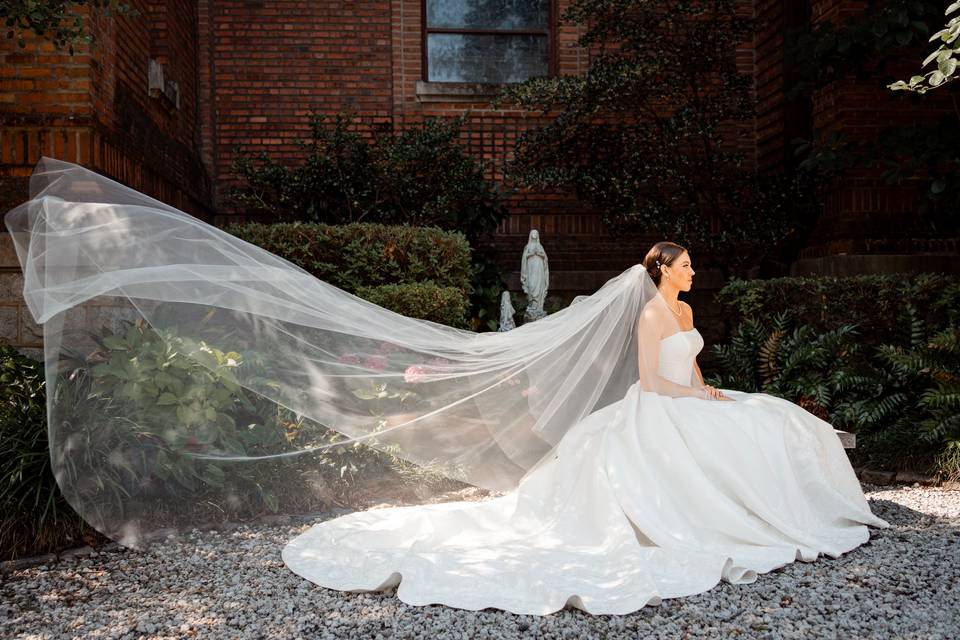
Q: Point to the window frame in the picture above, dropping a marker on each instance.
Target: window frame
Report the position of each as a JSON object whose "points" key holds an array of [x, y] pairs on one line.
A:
{"points": [[550, 32]]}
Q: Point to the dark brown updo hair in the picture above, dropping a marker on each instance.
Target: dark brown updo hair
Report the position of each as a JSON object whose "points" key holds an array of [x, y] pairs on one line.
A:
{"points": [[664, 253]]}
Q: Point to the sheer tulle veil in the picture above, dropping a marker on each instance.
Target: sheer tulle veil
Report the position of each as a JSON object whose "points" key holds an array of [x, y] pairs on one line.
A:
{"points": [[186, 367]]}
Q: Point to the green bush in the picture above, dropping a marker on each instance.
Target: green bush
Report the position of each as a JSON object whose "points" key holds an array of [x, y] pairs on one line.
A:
{"points": [[425, 300], [364, 254], [419, 272], [121, 401], [884, 370], [420, 176], [34, 516], [154, 378]]}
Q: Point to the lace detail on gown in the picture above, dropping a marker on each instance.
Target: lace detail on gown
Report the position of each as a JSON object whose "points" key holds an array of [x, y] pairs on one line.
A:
{"points": [[650, 497]]}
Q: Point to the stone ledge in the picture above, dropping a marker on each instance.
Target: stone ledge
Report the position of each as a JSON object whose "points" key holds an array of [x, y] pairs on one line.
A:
{"points": [[847, 439], [457, 91], [872, 476]]}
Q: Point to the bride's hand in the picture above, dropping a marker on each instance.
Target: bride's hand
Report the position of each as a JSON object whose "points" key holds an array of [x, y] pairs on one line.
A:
{"points": [[712, 393]]}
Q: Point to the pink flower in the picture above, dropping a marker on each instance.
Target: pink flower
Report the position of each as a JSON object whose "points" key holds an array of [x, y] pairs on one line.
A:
{"points": [[414, 374], [349, 358], [377, 363]]}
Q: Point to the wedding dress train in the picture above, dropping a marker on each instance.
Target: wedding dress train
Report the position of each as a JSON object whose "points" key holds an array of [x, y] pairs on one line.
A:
{"points": [[650, 497]]}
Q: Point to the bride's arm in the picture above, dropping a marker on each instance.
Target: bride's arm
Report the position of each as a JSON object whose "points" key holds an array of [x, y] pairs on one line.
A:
{"points": [[648, 354], [696, 367], [711, 391]]}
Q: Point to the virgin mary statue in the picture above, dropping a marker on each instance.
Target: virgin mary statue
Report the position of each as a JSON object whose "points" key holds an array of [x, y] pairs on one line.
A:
{"points": [[534, 276]]}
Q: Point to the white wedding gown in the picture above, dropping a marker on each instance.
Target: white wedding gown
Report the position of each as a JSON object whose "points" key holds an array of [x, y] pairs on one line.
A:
{"points": [[650, 497]]}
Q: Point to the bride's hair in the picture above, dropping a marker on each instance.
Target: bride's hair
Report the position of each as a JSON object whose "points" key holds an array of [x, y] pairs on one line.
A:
{"points": [[662, 253]]}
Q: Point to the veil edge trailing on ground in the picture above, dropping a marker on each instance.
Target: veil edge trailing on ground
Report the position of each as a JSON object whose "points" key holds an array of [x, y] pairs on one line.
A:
{"points": [[179, 359]]}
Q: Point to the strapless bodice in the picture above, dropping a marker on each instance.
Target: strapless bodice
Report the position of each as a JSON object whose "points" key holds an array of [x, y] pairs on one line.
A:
{"points": [[677, 352]]}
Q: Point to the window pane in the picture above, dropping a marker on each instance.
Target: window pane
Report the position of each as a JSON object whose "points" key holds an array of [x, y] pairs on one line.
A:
{"points": [[488, 14], [485, 58]]}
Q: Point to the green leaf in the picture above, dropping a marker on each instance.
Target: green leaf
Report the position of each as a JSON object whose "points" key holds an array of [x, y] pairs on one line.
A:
{"points": [[167, 398], [947, 67], [116, 343], [213, 475]]}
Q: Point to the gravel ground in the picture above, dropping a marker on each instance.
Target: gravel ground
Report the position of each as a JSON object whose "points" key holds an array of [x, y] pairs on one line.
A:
{"points": [[904, 583]]}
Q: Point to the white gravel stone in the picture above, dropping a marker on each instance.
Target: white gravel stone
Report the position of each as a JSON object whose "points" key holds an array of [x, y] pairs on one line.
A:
{"points": [[904, 583]]}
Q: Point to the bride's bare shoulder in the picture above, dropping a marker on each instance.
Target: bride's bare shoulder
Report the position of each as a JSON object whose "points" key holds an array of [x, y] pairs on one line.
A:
{"points": [[653, 313]]}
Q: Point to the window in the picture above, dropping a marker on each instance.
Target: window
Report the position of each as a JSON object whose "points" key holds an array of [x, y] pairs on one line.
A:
{"points": [[487, 41]]}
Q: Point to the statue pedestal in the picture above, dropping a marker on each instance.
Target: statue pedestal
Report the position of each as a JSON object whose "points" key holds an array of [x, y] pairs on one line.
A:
{"points": [[530, 315]]}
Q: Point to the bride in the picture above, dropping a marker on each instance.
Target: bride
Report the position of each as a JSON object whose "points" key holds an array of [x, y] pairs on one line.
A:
{"points": [[659, 495], [622, 478]]}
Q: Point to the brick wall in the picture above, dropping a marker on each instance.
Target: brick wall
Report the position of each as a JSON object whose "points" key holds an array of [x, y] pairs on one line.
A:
{"points": [[266, 65], [94, 109], [144, 140], [779, 119], [264, 72]]}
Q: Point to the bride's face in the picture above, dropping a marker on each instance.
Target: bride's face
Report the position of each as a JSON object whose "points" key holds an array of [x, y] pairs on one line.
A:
{"points": [[681, 272]]}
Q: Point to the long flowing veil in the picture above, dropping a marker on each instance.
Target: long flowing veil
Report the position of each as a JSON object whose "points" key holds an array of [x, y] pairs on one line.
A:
{"points": [[190, 374]]}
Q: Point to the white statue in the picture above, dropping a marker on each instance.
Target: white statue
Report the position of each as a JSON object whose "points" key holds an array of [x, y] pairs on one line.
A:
{"points": [[534, 276], [506, 313]]}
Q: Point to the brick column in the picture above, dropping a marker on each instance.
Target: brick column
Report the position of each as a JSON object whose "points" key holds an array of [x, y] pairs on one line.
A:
{"points": [[867, 225]]}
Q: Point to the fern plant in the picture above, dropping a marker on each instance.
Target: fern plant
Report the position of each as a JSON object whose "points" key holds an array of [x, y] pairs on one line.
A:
{"points": [[927, 402], [790, 361], [902, 400], [882, 403]]}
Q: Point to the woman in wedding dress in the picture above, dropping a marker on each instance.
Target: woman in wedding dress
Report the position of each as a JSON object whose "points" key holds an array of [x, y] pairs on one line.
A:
{"points": [[623, 478], [662, 494]]}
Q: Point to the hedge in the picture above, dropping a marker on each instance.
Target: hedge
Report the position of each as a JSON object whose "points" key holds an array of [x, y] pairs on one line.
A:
{"points": [[366, 254], [421, 272], [874, 302]]}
